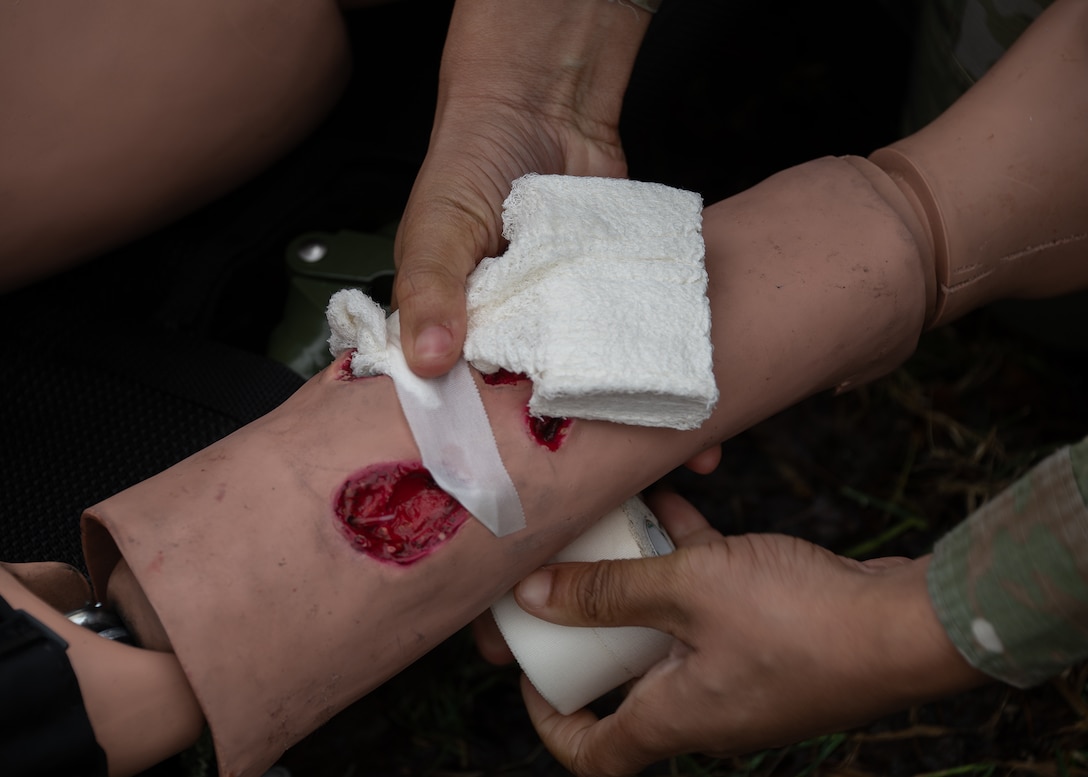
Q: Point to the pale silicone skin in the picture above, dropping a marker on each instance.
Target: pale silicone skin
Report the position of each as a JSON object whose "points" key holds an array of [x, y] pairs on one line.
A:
{"points": [[822, 276]]}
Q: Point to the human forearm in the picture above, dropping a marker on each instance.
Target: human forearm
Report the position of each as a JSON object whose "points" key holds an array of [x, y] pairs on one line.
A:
{"points": [[248, 542], [915, 659], [573, 57], [985, 203]]}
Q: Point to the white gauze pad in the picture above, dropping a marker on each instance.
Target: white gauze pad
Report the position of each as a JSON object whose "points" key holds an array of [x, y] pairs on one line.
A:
{"points": [[600, 299]]}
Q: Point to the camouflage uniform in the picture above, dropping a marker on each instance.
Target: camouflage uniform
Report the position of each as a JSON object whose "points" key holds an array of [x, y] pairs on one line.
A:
{"points": [[1010, 584]]}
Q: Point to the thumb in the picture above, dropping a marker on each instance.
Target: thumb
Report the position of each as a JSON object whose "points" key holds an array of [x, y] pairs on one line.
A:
{"points": [[430, 294], [623, 592], [452, 220]]}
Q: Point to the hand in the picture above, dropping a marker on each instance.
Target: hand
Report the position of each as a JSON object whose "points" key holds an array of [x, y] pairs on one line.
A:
{"points": [[777, 640], [485, 632], [524, 87]]}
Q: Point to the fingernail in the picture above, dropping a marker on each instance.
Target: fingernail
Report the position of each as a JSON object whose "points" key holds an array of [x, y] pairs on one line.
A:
{"points": [[533, 592], [434, 341]]}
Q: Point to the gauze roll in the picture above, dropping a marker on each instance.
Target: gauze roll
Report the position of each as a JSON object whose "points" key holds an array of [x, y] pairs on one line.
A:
{"points": [[600, 299], [572, 666]]}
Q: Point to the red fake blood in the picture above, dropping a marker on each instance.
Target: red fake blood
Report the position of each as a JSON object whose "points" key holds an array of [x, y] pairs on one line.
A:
{"points": [[503, 378], [547, 431], [343, 369], [396, 512]]}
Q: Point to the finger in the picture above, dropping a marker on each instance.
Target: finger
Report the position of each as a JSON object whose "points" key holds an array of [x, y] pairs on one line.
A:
{"points": [[680, 520], [622, 743], [625, 592], [885, 562], [489, 640], [430, 295], [450, 223], [561, 734], [705, 462]]}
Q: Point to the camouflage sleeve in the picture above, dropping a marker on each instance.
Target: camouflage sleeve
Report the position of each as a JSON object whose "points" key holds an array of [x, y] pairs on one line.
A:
{"points": [[1010, 583]]}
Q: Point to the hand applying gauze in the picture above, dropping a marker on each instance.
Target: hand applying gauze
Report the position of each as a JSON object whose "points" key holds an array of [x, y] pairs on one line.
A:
{"points": [[600, 300]]}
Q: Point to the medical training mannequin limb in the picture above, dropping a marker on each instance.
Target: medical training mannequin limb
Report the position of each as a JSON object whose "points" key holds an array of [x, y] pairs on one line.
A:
{"points": [[280, 621], [119, 118], [820, 276], [973, 172]]}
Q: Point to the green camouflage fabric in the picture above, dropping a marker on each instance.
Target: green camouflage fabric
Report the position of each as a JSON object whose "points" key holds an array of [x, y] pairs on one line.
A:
{"points": [[958, 41], [1010, 584]]}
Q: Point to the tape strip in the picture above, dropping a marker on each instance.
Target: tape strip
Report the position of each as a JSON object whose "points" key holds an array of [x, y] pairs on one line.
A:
{"points": [[452, 431]]}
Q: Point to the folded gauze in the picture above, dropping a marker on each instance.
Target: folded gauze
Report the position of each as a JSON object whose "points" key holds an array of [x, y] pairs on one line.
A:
{"points": [[600, 299]]}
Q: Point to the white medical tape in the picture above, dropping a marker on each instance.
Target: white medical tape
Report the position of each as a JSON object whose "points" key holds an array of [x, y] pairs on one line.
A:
{"points": [[571, 666], [452, 431]]}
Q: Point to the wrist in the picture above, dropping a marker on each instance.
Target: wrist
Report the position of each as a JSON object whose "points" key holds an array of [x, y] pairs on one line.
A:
{"points": [[571, 54], [921, 662]]}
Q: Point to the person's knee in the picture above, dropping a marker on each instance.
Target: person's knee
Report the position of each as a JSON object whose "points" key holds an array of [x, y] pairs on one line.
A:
{"points": [[122, 117]]}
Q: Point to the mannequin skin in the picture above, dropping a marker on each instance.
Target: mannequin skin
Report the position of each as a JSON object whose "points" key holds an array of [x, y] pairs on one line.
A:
{"points": [[822, 276]]}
